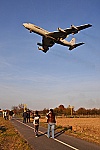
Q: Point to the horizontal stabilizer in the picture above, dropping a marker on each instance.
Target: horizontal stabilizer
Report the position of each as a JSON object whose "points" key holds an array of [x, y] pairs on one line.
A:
{"points": [[75, 45]]}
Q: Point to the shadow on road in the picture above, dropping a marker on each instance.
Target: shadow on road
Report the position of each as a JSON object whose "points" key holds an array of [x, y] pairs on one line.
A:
{"points": [[42, 134], [62, 130], [58, 131]]}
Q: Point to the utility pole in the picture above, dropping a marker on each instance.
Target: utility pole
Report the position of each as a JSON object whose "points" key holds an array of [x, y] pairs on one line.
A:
{"points": [[71, 107], [25, 107]]}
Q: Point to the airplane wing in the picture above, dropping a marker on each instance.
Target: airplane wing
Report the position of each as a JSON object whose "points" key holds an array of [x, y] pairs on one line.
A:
{"points": [[64, 33], [57, 35], [75, 29], [46, 43]]}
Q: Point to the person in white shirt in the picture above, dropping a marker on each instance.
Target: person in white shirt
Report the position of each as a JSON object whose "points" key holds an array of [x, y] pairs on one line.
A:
{"points": [[36, 123]]}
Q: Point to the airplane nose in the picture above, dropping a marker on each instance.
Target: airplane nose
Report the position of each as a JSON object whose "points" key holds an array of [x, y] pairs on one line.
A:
{"points": [[24, 24]]}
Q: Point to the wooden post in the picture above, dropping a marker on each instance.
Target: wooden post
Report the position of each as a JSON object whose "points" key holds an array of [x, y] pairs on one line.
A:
{"points": [[25, 107], [71, 107]]}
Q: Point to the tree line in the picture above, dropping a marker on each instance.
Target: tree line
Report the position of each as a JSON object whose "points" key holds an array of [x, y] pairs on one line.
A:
{"points": [[60, 110]]}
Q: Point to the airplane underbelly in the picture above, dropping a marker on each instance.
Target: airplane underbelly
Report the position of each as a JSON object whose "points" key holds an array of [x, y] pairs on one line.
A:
{"points": [[48, 42]]}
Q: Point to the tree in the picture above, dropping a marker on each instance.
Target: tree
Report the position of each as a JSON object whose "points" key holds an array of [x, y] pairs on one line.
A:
{"points": [[18, 109], [56, 111], [81, 111], [61, 109], [45, 111]]}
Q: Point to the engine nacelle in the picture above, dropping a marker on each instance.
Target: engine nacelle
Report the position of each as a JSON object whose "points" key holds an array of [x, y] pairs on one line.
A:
{"points": [[39, 44], [76, 30], [73, 27], [41, 48], [61, 30]]}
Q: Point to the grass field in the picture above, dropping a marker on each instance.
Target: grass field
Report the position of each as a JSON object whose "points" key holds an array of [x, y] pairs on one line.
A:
{"points": [[84, 128], [10, 139]]}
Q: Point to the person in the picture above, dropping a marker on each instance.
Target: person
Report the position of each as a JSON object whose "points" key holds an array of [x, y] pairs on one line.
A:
{"points": [[10, 114], [51, 123], [24, 116], [5, 115], [28, 116], [36, 123]]}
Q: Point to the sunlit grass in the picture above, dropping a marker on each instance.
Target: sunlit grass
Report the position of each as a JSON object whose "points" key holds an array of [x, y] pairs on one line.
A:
{"points": [[10, 139]]}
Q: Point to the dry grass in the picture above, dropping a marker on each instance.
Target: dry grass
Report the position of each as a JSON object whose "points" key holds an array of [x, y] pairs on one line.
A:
{"points": [[84, 128], [10, 139]]}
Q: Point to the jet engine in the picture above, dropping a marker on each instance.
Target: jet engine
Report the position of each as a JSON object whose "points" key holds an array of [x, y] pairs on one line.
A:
{"points": [[41, 48], [61, 30], [75, 29], [39, 44]]}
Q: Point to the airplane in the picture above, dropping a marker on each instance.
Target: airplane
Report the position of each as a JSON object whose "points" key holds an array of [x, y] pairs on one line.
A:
{"points": [[50, 38]]}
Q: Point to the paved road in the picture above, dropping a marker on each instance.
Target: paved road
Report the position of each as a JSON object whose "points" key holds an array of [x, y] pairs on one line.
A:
{"points": [[61, 142]]}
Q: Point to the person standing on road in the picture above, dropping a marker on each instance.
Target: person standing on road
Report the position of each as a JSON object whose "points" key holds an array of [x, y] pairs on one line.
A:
{"points": [[36, 123], [51, 122], [28, 116], [10, 114], [5, 115], [24, 116]]}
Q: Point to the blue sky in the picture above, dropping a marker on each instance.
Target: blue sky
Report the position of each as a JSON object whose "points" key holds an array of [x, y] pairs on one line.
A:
{"points": [[60, 76]]}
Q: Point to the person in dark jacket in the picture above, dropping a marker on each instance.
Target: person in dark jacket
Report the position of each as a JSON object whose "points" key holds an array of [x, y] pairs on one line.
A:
{"points": [[10, 114], [28, 116], [51, 122], [24, 116]]}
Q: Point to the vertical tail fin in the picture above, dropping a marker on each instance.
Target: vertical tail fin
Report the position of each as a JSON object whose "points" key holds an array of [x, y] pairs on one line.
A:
{"points": [[72, 41]]}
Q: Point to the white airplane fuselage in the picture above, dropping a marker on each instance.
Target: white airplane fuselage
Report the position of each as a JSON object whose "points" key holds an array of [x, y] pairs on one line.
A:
{"points": [[35, 29]]}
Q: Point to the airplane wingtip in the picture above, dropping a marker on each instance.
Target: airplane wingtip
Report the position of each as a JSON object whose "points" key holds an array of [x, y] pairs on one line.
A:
{"points": [[90, 25]]}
